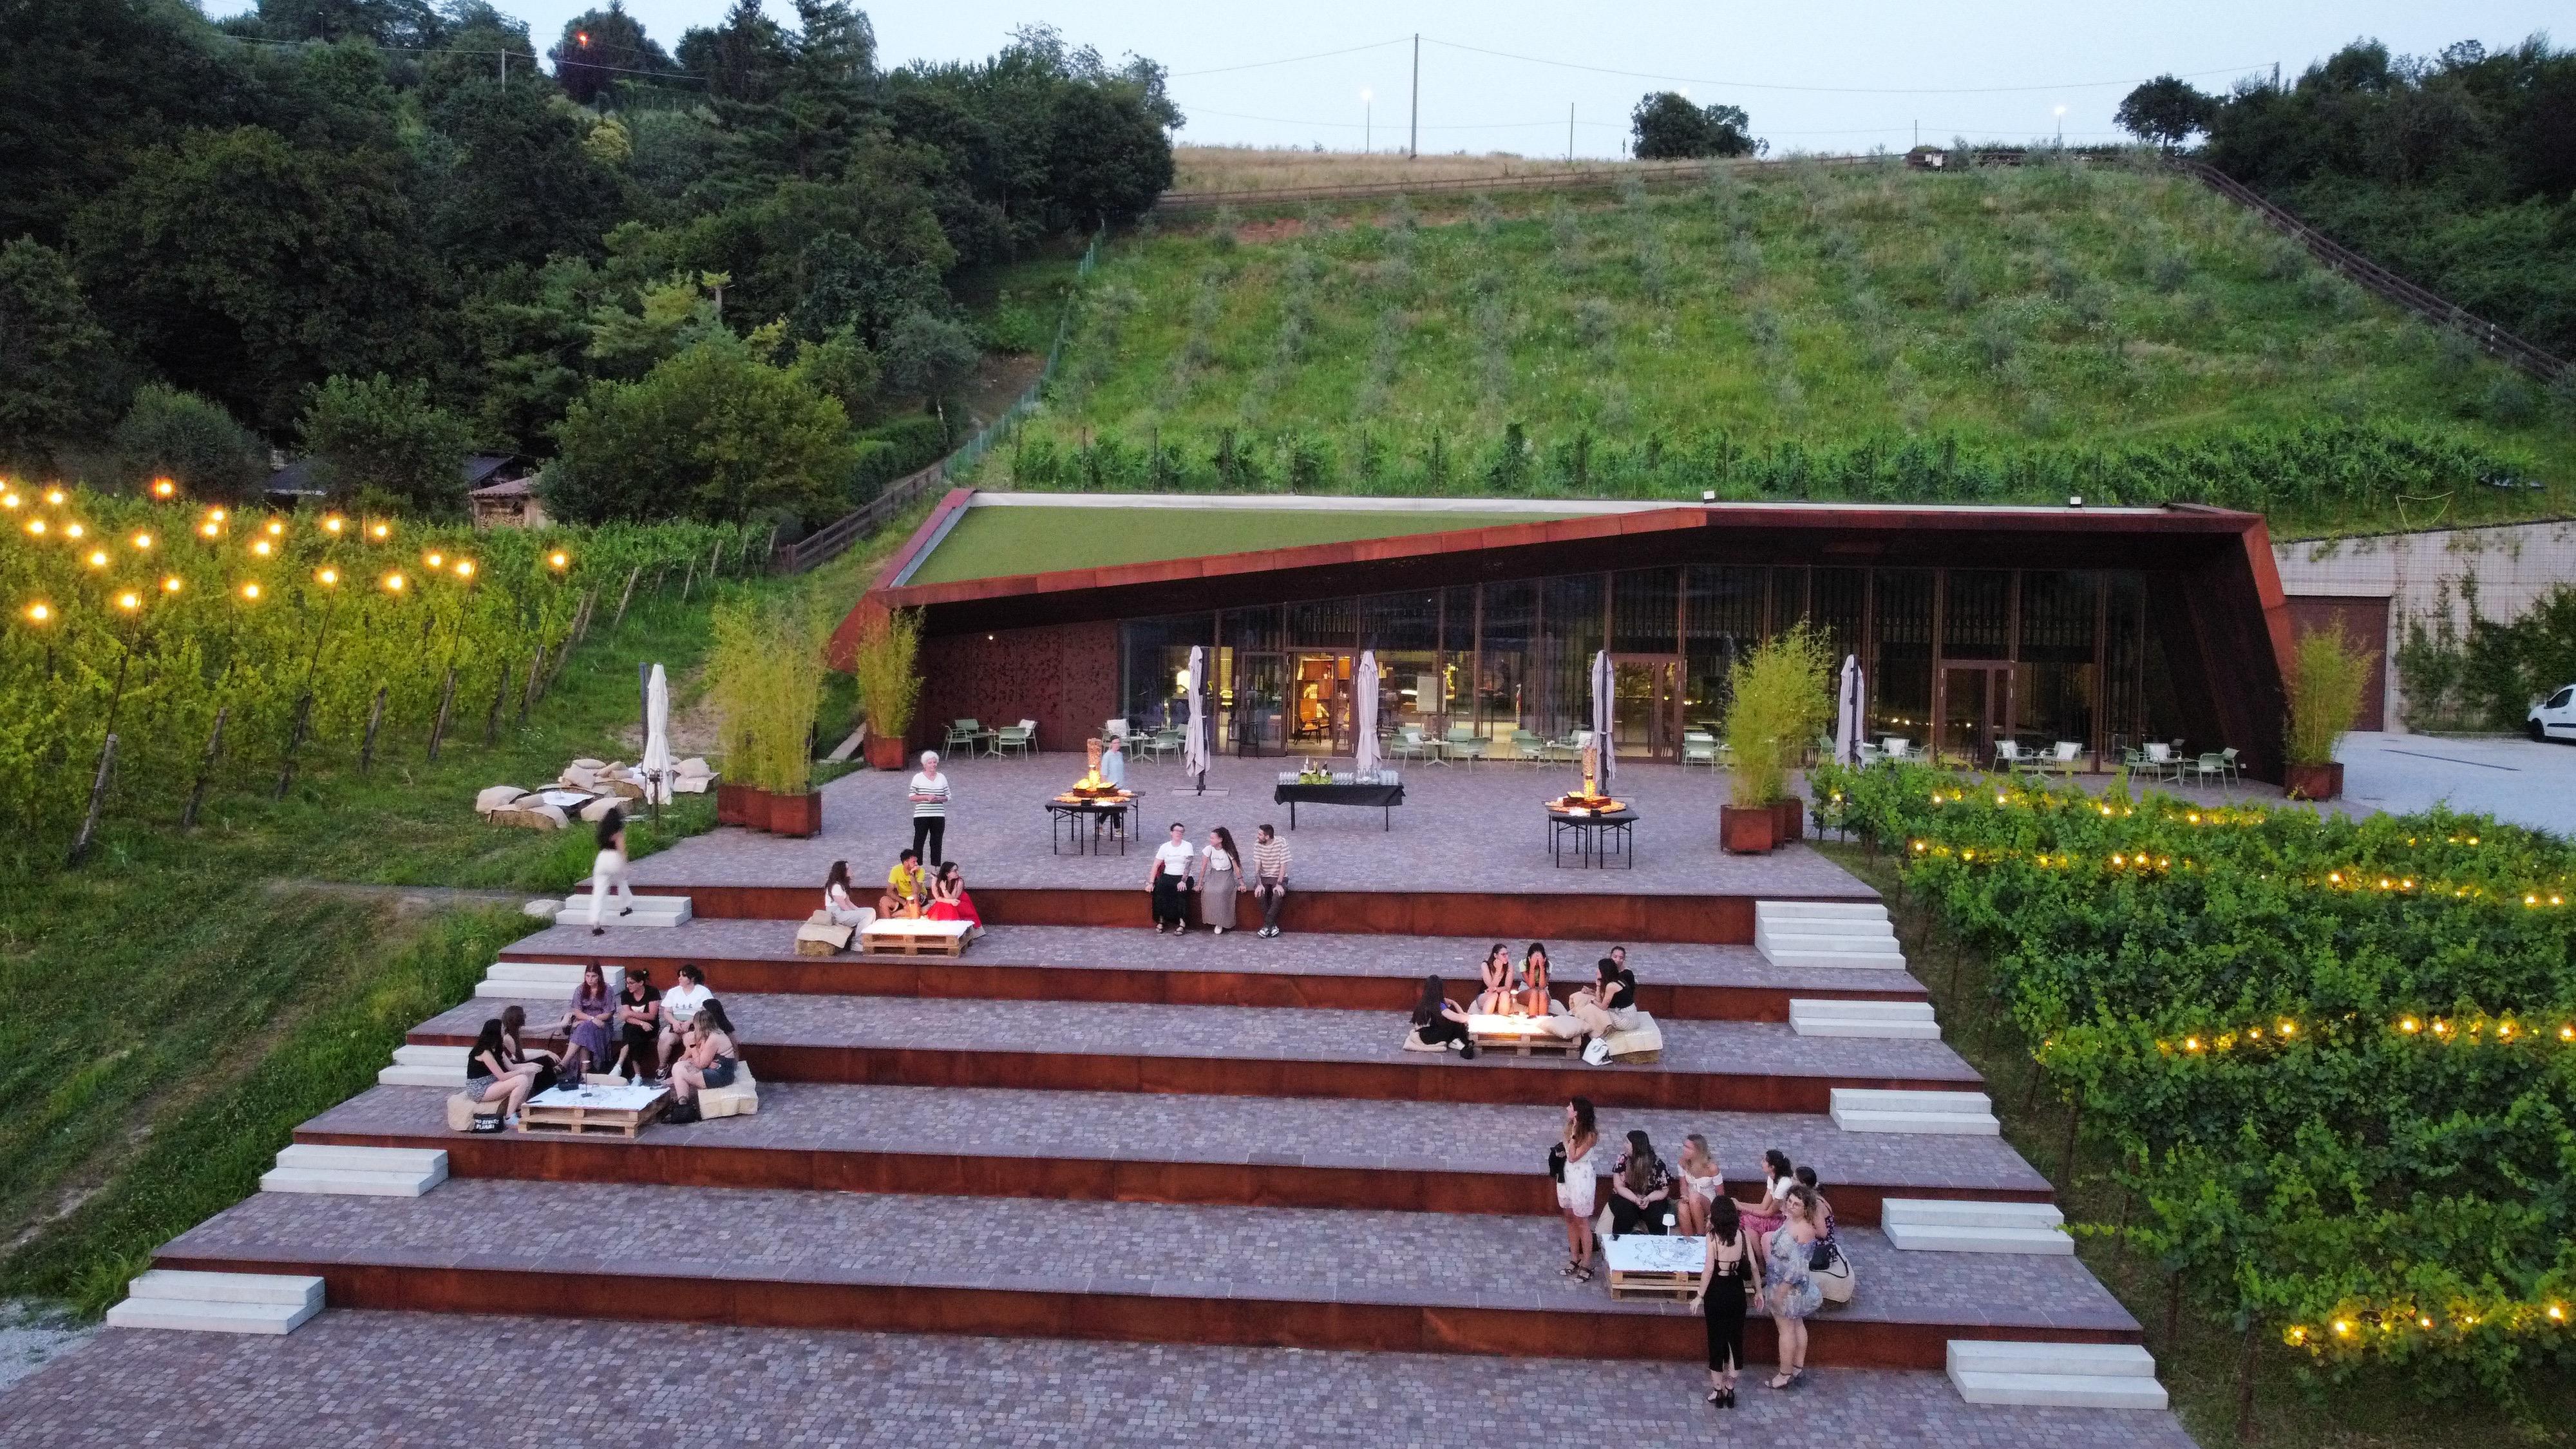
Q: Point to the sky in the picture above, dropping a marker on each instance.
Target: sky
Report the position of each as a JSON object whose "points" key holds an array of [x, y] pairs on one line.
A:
{"points": [[1814, 76]]}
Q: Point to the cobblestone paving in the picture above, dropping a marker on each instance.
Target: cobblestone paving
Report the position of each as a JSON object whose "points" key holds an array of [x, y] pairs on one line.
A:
{"points": [[1425, 1136], [1460, 829], [1036, 1245], [436, 1382], [1296, 954], [1732, 1048]]}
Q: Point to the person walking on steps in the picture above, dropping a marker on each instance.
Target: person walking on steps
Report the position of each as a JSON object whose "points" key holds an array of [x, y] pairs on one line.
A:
{"points": [[929, 809], [608, 871]]}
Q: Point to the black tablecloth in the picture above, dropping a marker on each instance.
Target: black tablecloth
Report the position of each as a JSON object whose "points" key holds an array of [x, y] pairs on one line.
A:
{"points": [[1371, 795]]}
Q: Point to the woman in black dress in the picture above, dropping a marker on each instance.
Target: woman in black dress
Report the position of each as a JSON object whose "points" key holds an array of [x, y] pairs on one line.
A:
{"points": [[1437, 1021], [1732, 1265]]}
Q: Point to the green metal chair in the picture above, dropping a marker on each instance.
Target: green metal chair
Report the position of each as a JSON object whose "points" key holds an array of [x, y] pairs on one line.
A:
{"points": [[1016, 739], [1408, 743], [1526, 746], [1698, 749], [1463, 743], [963, 734]]}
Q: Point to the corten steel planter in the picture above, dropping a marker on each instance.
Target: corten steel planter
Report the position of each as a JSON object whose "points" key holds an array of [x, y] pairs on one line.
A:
{"points": [[733, 805], [2312, 782], [1791, 815], [794, 815], [885, 752], [1748, 829]]}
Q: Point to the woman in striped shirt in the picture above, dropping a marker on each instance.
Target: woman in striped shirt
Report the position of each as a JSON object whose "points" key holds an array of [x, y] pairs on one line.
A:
{"points": [[929, 808]]}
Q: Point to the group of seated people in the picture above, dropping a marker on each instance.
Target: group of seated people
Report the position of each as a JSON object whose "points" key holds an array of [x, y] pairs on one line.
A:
{"points": [[912, 892], [680, 1038], [1520, 988]]}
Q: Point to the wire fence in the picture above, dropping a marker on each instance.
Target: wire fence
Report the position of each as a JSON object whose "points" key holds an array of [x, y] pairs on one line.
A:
{"points": [[834, 538]]}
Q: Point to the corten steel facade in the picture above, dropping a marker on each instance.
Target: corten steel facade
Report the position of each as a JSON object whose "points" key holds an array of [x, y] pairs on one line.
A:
{"points": [[2105, 627]]}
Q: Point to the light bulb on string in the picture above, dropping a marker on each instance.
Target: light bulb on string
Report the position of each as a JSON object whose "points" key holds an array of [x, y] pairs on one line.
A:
{"points": [[327, 578], [98, 558], [143, 542], [165, 487], [36, 526], [170, 585], [129, 601], [393, 583], [40, 613], [251, 592], [333, 524], [74, 530], [260, 547], [381, 532], [55, 496], [465, 568]]}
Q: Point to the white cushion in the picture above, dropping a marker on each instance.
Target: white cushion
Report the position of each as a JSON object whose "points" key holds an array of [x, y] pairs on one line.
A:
{"points": [[741, 1099], [498, 797]]}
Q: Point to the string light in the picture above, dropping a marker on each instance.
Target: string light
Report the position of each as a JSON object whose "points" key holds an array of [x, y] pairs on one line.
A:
{"points": [[164, 487], [143, 541], [558, 558], [36, 526], [55, 496], [129, 601], [434, 560], [39, 613], [276, 529], [210, 528], [333, 524], [381, 532], [215, 514], [393, 583], [170, 585], [465, 568], [74, 529], [251, 592], [328, 578], [98, 558], [260, 547], [8, 500]]}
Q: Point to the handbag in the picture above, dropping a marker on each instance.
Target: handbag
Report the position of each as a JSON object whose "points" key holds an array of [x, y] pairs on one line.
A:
{"points": [[1834, 1277], [1556, 1162]]}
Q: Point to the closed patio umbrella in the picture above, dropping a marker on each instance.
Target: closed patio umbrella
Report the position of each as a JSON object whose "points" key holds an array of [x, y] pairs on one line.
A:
{"points": [[1194, 744], [655, 766], [1364, 715], [1602, 717], [1847, 720]]}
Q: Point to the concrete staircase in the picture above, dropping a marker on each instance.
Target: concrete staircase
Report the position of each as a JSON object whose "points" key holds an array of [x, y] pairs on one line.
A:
{"points": [[649, 911], [356, 1171], [1963, 1114], [218, 1302], [1826, 933], [2059, 1375], [1909, 1019], [541, 980], [1950, 1226], [426, 1066]]}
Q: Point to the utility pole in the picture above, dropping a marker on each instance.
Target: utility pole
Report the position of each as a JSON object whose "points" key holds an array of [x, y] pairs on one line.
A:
{"points": [[1413, 142], [1569, 133]]}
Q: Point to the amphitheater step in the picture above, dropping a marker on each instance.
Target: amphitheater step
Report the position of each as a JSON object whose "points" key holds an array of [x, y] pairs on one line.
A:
{"points": [[355, 1171], [1923, 1225], [1819, 911], [1900, 1019], [2061, 1375], [1967, 1114], [1813, 934], [218, 1302], [648, 911], [520, 980], [425, 1065]]}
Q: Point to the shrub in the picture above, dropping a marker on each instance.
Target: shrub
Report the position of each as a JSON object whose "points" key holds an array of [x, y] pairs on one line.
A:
{"points": [[190, 438], [711, 433], [2327, 674], [886, 666], [765, 678], [1780, 694], [386, 439]]}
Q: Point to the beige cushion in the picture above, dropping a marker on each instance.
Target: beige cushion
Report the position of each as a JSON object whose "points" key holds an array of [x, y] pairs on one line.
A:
{"points": [[587, 763], [620, 788], [1645, 1043], [1413, 1042], [497, 797], [575, 777], [534, 817], [598, 809], [739, 1100], [822, 938], [692, 784], [461, 1109]]}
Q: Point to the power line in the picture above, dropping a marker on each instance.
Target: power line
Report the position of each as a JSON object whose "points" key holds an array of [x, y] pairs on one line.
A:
{"points": [[1826, 90], [1291, 60]]}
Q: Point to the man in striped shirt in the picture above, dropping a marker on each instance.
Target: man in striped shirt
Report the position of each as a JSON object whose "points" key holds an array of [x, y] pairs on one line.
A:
{"points": [[929, 808], [1270, 877]]}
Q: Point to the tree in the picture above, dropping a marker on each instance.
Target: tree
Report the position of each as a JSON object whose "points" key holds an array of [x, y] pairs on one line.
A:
{"points": [[1109, 158], [1668, 127], [713, 433], [601, 46], [928, 355], [56, 363], [174, 434], [2166, 112], [521, 186], [744, 59], [384, 442]]}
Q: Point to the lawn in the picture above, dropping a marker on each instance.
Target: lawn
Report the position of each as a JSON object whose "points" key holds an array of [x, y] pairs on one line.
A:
{"points": [[1385, 347], [1000, 542], [184, 1000]]}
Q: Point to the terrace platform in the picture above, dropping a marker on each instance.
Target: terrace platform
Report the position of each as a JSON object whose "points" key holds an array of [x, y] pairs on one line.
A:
{"points": [[1467, 854], [1109, 964], [1268, 1052], [1276, 1152], [1275, 1277]]}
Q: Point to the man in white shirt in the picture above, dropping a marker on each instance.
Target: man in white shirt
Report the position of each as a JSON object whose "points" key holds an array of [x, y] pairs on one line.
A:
{"points": [[1170, 878], [680, 1006]]}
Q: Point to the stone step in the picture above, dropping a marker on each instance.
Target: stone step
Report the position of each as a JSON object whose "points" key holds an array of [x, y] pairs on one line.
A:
{"points": [[219, 1302], [2020, 1356], [519, 980], [425, 1065], [649, 911], [1832, 927], [1966, 1114], [1963, 1213], [355, 1171], [1819, 911], [1855, 943], [2060, 1391], [1893, 1019], [1930, 1238], [1838, 960], [325, 1157]]}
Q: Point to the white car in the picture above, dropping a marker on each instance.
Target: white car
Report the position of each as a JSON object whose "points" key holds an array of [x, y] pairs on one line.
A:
{"points": [[2554, 718]]}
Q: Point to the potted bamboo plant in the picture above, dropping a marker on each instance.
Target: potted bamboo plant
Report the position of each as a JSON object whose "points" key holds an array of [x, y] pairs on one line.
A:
{"points": [[2327, 674], [886, 667], [766, 676], [1780, 697]]}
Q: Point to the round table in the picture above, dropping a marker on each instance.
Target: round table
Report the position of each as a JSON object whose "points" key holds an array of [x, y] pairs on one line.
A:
{"points": [[1598, 835]]}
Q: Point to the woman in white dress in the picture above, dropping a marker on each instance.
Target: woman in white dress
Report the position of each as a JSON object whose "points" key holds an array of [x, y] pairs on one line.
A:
{"points": [[608, 871], [1577, 1181]]}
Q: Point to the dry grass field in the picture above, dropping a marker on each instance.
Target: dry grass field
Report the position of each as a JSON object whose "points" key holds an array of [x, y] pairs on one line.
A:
{"points": [[1248, 168]]}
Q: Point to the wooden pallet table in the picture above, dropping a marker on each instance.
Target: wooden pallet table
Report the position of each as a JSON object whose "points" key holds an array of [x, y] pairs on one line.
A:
{"points": [[1520, 1036], [578, 1110], [1645, 1266], [914, 938]]}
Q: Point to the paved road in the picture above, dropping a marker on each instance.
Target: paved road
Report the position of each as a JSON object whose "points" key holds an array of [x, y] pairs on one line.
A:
{"points": [[2523, 781]]}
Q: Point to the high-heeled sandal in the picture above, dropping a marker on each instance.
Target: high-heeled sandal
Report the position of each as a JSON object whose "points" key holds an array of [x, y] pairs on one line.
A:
{"points": [[1783, 1380], [1716, 1398]]}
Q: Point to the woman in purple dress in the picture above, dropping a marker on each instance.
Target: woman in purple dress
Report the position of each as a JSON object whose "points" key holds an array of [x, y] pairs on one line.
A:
{"points": [[588, 1022]]}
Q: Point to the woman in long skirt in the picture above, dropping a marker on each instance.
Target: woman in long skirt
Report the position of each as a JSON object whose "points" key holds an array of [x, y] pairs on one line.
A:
{"points": [[1220, 875]]}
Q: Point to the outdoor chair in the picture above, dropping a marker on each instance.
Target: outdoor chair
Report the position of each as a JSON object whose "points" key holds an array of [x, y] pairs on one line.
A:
{"points": [[1115, 729], [2008, 755], [964, 735], [1408, 744], [1463, 743], [1868, 754], [1526, 746], [1162, 744], [1698, 749], [2069, 754], [2227, 759], [1899, 749], [2211, 767], [1016, 739], [1559, 752]]}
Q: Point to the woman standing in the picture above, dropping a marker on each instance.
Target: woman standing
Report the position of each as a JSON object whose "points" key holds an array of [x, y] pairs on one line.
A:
{"points": [[588, 1021], [1732, 1271], [929, 808], [608, 871], [1794, 1293], [1577, 1181], [1171, 876], [1496, 998], [1219, 878], [1534, 998]]}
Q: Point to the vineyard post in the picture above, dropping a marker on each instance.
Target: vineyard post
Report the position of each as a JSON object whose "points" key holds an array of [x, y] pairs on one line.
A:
{"points": [[631, 576], [446, 697], [589, 610], [2245, 1378], [492, 717], [97, 801], [528, 691], [769, 553], [715, 561], [294, 738], [205, 767], [2074, 1123], [375, 720], [687, 579]]}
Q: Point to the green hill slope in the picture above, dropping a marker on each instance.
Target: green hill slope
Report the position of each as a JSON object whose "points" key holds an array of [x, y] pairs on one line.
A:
{"points": [[1864, 331]]}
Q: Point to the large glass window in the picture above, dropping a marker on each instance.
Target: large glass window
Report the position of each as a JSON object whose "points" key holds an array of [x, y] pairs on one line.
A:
{"points": [[2056, 692], [1154, 658], [1723, 620], [1900, 686], [1505, 677], [1404, 630], [1976, 615], [2124, 667], [1569, 635], [1645, 611], [1323, 624], [1836, 605]]}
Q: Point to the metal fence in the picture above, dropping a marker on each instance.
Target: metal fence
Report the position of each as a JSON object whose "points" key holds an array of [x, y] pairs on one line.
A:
{"points": [[834, 538]]}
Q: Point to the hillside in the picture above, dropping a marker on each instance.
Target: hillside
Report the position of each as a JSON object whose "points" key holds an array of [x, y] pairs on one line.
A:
{"points": [[1807, 330]]}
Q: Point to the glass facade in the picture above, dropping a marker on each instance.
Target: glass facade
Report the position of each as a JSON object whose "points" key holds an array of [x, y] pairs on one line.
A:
{"points": [[1958, 659]]}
